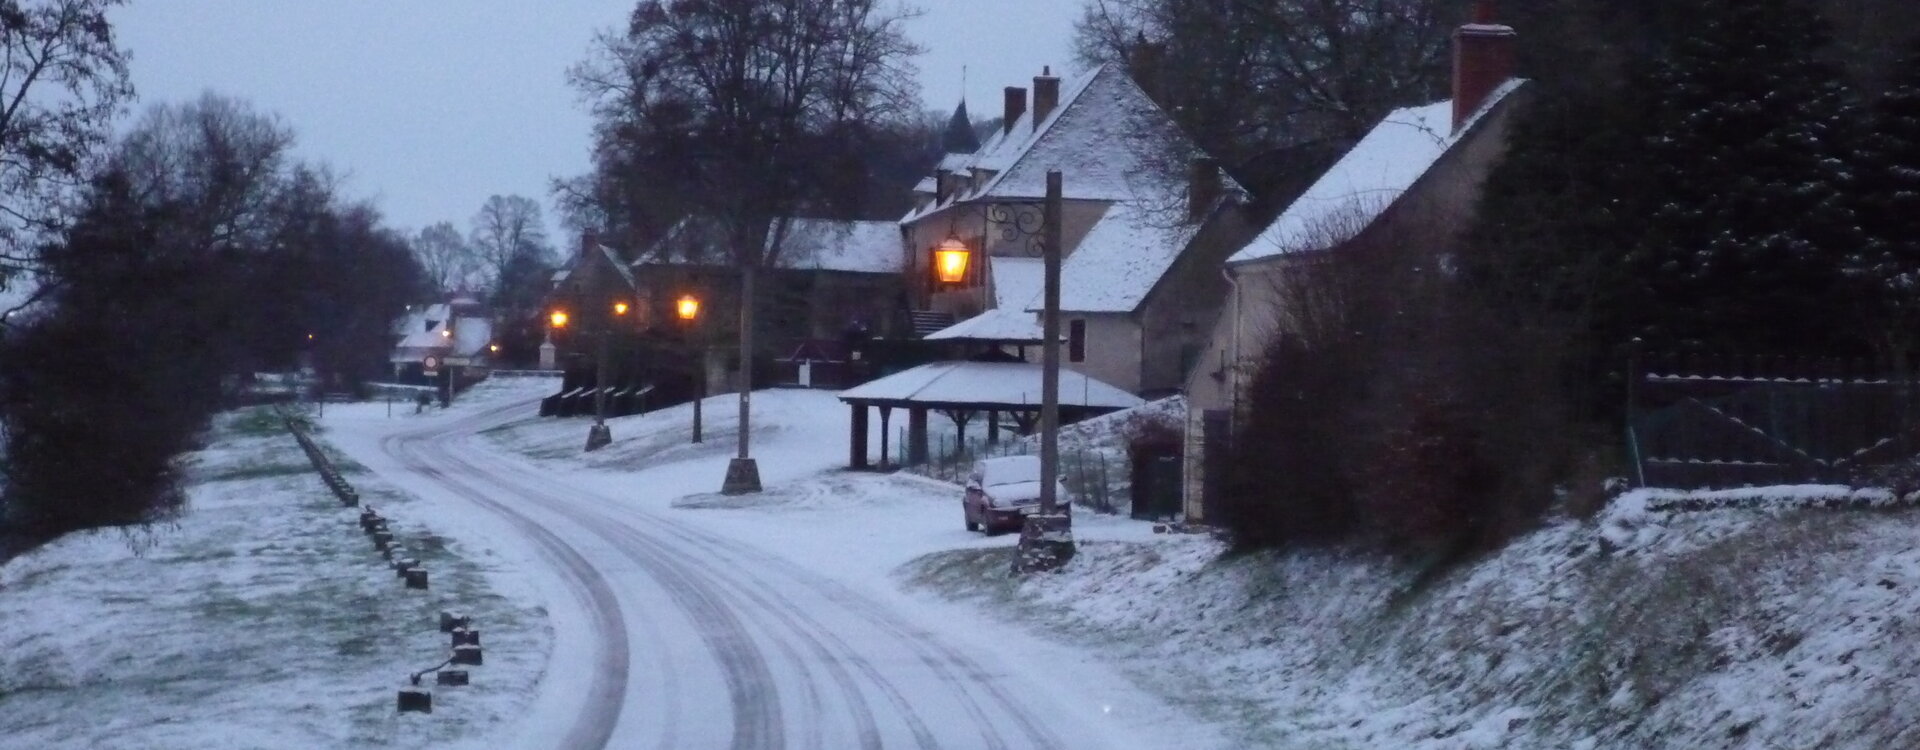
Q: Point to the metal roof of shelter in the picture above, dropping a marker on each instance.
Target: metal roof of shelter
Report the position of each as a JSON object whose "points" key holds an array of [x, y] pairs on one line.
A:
{"points": [[1000, 386]]}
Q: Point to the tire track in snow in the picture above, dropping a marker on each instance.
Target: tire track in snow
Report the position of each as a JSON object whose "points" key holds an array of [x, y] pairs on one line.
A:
{"points": [[593, 727]]}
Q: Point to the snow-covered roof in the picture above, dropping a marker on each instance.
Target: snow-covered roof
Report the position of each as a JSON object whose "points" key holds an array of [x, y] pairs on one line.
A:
{"points": [[1359, 187], [1108, 138], [983, 384], [1017, 282], [855, 246], [1122, 258], [810, 245], [619, 266], [1001, 324]]}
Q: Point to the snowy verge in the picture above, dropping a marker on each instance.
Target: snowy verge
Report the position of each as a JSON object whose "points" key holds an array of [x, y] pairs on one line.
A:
{"points": [[260, 617], [1730, 629]]}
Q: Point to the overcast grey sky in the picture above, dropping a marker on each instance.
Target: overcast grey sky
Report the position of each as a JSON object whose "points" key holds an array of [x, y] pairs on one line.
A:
{"points": [[429, 106]]}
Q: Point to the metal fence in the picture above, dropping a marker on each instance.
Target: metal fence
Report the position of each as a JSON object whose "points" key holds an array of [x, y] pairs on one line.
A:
{"points": [[1733, 421], [1095, 478]]}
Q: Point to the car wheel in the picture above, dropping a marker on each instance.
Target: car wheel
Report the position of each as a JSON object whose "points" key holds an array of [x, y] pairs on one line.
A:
{"points": [[971, 526]]}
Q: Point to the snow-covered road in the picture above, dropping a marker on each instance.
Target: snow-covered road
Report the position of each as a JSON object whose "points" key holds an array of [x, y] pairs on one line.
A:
{"points": [[673, 628]]}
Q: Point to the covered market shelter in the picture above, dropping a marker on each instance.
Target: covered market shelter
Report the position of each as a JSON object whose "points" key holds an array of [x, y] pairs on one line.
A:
{"points": [[962, 388]]}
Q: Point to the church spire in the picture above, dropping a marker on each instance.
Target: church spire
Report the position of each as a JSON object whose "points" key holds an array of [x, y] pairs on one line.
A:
{"points": [[959, 137]]}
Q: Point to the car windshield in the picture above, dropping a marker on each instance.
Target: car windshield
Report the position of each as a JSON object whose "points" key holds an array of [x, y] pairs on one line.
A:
{"points": [[1011, 470]]}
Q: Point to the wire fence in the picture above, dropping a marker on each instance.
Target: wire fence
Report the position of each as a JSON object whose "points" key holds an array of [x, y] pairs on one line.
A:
{"points": [[1095, 478]]}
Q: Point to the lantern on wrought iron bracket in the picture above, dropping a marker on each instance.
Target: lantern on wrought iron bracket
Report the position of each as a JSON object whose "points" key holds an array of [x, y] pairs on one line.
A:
{"points": [[950, 260]]}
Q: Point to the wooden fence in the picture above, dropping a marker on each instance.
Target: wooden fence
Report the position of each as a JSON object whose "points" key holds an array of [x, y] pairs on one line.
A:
{"points": [[1728, 421]]}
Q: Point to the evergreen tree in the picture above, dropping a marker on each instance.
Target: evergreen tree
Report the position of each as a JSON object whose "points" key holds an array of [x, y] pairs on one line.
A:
{"points": [[1887, 270], [1750, 225]]}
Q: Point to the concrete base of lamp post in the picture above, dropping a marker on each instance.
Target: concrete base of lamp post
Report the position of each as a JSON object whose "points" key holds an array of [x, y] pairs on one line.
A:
{"points": [[743, 477], [598, 437], [1046, 543]]}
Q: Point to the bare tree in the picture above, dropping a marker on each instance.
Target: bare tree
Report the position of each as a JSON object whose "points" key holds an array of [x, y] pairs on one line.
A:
{"points": [[62, 80], [1258, 81], [506, 226], [750, 109], [448, 260]]}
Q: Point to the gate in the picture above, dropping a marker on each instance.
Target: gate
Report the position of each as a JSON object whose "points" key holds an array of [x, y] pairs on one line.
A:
{"points": [[1737, 421], [1156, 485]]}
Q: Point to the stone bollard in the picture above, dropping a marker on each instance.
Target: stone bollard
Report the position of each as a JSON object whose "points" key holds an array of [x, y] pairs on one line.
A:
{"points": [[453, 677], [416, 699], [381, 539], [468, 655], [350, 498], [394, 553], [404, 564], [450, 620], [416, 578], [465, 637]]}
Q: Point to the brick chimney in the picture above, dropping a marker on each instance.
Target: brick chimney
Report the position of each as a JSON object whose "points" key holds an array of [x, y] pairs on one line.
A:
{"points": [[1483, 54], [1046, 95], [1016, 106], [1203, 187], [589, 239]]}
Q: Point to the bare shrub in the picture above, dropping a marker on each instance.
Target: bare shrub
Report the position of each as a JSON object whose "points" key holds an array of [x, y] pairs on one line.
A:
{"points": [[1394, 407]]}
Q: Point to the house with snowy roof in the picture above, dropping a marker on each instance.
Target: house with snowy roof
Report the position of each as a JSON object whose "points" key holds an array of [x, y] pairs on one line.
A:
{"points": [[433, 337], [830, 280], [1415, 177], [1147, 219]]}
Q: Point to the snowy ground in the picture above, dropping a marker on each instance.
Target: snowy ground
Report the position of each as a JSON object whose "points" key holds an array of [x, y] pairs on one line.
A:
{"points": [[261, 617], [1723, 628], [684, 618]]}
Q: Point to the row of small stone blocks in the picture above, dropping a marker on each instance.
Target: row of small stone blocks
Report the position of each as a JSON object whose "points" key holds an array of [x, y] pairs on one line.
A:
{"points": [[466, 652], [348, 497], [465, 639]]}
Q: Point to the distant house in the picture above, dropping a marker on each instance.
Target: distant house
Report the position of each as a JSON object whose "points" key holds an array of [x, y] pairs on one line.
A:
{"points": [[1147, 219], [1420, 168], [428, 338], [831, 282]]}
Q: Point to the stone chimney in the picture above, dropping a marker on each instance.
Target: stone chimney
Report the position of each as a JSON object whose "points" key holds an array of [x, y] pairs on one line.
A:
{"points": [[1203, 187], [1016, 106], [942, 179], [1046, 95], [1483, 53]]}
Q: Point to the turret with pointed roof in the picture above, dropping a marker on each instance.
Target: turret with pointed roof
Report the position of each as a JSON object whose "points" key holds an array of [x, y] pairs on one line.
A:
{"points": [[959, 138]]}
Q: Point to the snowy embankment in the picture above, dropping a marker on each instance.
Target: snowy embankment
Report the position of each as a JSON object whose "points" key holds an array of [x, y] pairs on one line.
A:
{"points": [[260, 617], [1708, 629]]}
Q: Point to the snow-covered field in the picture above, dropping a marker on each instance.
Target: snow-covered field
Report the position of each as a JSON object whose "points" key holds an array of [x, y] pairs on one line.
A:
{"points": [[259, 618], [1722, 628]]}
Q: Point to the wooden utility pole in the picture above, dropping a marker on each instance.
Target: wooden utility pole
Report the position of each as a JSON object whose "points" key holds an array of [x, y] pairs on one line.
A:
{"points": [[1050, 349], [1046, 541]]}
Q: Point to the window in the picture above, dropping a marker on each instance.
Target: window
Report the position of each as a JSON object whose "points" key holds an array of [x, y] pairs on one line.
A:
{"points": [[1076, 340]]}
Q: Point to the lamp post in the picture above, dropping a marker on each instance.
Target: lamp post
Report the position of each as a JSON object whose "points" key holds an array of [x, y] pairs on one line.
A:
{"points": [[600, 435], [688, 309]]}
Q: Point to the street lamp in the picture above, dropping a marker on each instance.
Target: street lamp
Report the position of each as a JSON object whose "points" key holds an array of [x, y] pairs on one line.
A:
{"points": [[600, 435], [688, 308], [558, 319], [950, 260]]}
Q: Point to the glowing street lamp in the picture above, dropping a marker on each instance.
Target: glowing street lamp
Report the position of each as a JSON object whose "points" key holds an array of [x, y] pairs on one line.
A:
{"points": [[558, 319], [619, 308], [950, 260], [688, 309]]}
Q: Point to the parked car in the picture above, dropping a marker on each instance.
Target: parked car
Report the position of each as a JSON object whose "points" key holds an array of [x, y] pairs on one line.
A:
{"points": [[1002, 491]]}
